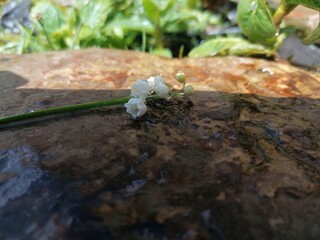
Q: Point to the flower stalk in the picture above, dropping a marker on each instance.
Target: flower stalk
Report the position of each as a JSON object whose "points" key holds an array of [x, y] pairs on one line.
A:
{"points": [[283, 10], [63, 109], [136, 103]]}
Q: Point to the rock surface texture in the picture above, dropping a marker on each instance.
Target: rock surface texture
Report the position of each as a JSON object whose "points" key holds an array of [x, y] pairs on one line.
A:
{"points": [[239, 159]]}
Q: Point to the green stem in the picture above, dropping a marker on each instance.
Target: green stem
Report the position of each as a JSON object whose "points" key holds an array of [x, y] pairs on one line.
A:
{"points": [[76, 35], [282, 10], [181, 50], [78, 29], [64, 109], [158, 32], [144, 41], [46, 34]]}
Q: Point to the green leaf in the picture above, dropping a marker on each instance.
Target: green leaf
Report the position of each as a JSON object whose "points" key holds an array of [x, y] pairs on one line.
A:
{"points": [[155, 9], [164, 52], [135, 24], [255, 21], [312, 37], [89, 37], [95, 12], [151, 10], [165, 5], [50, 17], [314, 4], [230, 46]]}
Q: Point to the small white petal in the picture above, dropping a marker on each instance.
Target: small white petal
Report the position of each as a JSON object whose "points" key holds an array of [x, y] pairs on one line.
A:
{"points": [[159, 80], [151, 82], [154, 81], [136, 107], [158, 85], [162, 90], [140, 89]]}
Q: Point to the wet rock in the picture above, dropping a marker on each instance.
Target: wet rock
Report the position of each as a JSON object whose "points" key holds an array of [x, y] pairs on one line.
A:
{"points": [[239, 159]]}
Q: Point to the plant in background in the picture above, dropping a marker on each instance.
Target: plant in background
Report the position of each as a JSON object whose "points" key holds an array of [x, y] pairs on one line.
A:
{"points": [[166, 27], [261, 25], [286, 6], [129, 24]]}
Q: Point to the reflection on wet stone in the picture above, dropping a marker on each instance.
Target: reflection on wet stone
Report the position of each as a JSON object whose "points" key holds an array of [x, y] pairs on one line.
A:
{"points": [[239, 159], [18, 169]]}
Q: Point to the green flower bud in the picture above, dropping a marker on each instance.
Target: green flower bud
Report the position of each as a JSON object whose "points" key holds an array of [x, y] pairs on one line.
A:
{"points": [[188, 90], [181, 77]]}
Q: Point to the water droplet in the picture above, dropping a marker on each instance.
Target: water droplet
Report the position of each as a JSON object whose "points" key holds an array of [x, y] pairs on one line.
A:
{"points": [[134, 186], [29, 110], [162, 180], [271, 132], [144, 156], [216, 134], [206, 216], [132, 171], [232, 136], [41, 103], [266, 70]]}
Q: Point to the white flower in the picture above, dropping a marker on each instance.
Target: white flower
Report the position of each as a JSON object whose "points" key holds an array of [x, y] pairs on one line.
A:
{"points": [[136, 107], [158, 85], [140, 89], [153, 81], [162, 90]]}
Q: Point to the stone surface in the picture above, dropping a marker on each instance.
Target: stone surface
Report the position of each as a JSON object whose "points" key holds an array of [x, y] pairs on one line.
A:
{"points": [[299, 54], [239, 159]]}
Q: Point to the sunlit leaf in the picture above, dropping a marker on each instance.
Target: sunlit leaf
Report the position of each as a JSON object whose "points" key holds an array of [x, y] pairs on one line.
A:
{"points": [[51, 18], [151, 10], [192, 4], [151, 7], [95, 12], [61, 37], [165, 52], [255, 21], [89, 37], [314, 4], [136, 24], [229, 46], [165, 5]]}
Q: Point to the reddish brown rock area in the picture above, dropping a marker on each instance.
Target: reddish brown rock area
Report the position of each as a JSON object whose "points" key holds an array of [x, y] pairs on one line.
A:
{"points": [[239, 159]]}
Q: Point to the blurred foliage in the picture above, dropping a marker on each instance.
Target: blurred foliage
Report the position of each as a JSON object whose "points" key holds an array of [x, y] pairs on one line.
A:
{"points": [[255, 20], [166, 27], [126, 24], [230, 46], [261, 24]]}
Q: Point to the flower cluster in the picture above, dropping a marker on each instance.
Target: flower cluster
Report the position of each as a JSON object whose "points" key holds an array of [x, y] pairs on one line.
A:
{"points": [[153, 87], [140, 90]]}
